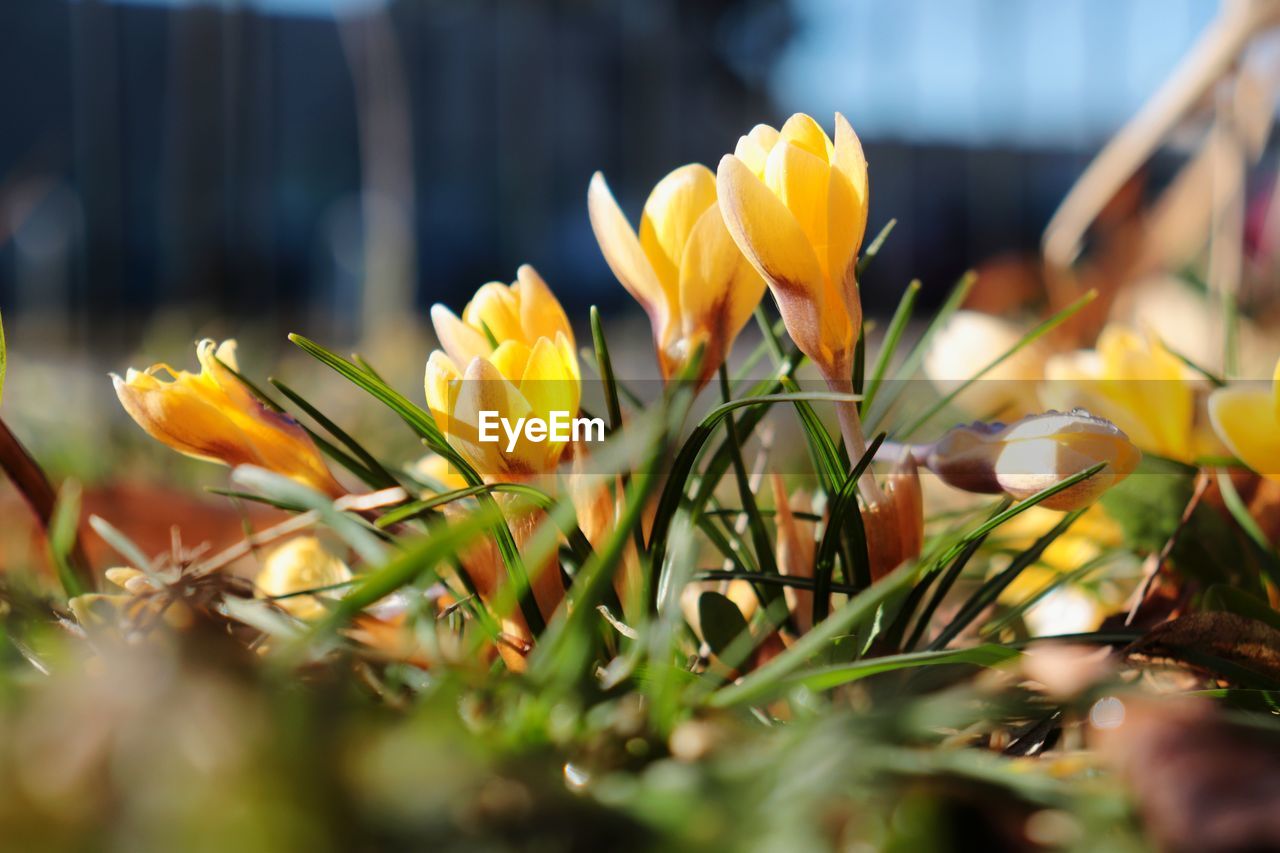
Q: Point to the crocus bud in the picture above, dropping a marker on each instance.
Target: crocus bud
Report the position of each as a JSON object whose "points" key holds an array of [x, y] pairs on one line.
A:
{"points": [[511, 354], [895, 525], [683, 267], [1247, 419], [796, 204], [795, 553], [301, 564], [211, 415], [1032, 454]]}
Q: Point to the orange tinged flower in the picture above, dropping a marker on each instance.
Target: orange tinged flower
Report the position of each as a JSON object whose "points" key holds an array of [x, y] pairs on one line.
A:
{"points": [[682, 266], [211, 415], [512, 353], [795, 202]]}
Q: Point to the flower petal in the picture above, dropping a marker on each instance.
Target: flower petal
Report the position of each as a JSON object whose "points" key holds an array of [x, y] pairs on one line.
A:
{"points": [[753, 149], [719, 289], [670, 213], [622, 251], [1245, 419], [801, 180], [847, 200], [461, 341], [541, 314], [772, 240], [496, 308], [802, 131]]}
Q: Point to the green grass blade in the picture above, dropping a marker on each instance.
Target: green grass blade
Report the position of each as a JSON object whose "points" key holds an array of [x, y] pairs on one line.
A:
{"points": [[874, 247], [892, 337], [765, 681], [912, 362], [605, 365], [1266, 553], [765, 557], [989, 591], [828, 677], [384, 478], [844, 503], [687, 457], [1022, 343], [424, 425], [121, 544], [407, 566], [63, 529]]}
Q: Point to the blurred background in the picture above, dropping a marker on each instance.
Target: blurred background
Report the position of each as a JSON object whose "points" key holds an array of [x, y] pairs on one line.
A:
{"points": [[336, 165]]}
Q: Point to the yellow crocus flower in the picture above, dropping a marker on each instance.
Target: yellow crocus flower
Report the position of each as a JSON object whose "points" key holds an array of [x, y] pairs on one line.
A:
{"points": [[531, 372], [301, 564], [1134, 381], [683, 267], [211, 415], [1247, 419], [796, 204]]}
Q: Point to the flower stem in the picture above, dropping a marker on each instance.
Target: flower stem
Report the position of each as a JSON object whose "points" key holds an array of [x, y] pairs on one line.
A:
{"points": [[854, 440]]}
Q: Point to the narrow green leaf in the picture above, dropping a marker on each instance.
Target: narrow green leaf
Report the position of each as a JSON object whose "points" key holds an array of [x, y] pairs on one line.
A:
{"points": [[874, 247], [424, 425], [605, 365], [286, 490], [384, 478], [947, 581], [911, 363], [1262, 545], [765, 681], [843, 504], [765, 558], [892, 337], [121, 544], [1023, 342], [827, 677], [417, 558], [63, 529], [687, 457], [989, 591]]}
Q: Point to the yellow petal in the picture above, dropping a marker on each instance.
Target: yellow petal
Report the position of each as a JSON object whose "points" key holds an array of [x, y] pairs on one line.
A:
{"points": [[461, 341], [301, 564], [484, 389], [773, 241], [496, 308], [213, 416], [1245, 419], [622, 251], [178, 416], [801, 180], [671, 211], [719, 289], [548, 384], [847, 199], [753, 149], [541, 314], [441, 373], [510, 359], [802, 131]]}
